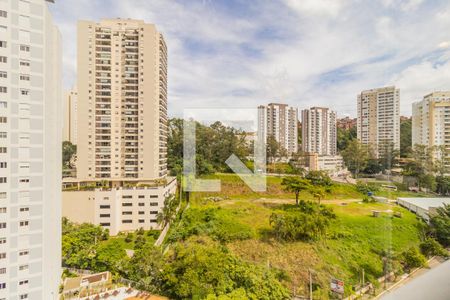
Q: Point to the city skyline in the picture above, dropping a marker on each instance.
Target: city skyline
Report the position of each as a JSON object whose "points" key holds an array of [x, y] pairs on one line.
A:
{"points": [[247, 59]]}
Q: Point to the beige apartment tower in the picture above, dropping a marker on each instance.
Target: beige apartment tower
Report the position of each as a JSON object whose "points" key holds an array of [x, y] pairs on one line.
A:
{"points": [[378, 123], [431, 121], [319, 131], [122, 100], [281, 122], [70, 117]]}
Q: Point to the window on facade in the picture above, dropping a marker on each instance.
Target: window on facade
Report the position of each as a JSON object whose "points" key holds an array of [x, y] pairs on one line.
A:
{"points": [[3, 165], [3, 74], [3, 104], [127, 213], [3, 135], [25, 77], [3, 89], [2, 225], [2, 210], [2, 285], [3, 180], [2, 240], [153, 203], [2, 149], [24, 252], [3, 14], [25, 48], [105, 215], [23, 296], [23, 267], [25, 63], [127, 221], [24, 92], [105, 206], [22, 282], [127, 204], [23, 223], [2, 255], [3, 59], [3, 119], [2, 44], [2, 270], [24, 209]]}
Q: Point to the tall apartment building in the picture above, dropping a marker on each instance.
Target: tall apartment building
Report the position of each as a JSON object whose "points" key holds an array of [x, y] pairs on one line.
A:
{"points": [[431, 121], [121, 163], [30, 151], [378, 124], [319, 131], [70, 117], [122, 100], [281, 122]]}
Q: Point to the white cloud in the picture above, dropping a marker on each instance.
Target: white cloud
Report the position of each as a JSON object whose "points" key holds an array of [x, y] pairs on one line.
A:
{"points": [[421, 79], [305, 53]]}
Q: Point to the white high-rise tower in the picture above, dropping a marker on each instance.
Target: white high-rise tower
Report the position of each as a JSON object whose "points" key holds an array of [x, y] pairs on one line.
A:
{"points": [[30, 151]]}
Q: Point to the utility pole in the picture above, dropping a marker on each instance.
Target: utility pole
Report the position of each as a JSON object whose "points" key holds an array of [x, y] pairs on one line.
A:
{"points": [[363, 281]]}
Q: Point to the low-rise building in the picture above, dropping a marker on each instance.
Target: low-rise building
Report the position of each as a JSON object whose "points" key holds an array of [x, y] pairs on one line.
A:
{"points": [[332, 164], [119, 205], [423, 207]]}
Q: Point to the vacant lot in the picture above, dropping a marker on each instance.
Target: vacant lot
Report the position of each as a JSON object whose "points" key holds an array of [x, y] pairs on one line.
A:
{"points": [[239, 218]]}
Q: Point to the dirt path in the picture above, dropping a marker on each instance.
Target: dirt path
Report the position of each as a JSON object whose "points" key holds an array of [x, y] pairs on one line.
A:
{"points": [[284, 201]]}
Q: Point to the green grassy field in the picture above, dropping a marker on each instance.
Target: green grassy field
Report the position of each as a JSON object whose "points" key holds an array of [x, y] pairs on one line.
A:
{"points": [[239, 218], [233, 187]]}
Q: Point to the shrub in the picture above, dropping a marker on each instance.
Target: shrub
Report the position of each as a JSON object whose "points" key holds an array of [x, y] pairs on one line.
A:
{"points": [[430, 247], [304, 222], [365, 188], [129, 237], [412, 258]]}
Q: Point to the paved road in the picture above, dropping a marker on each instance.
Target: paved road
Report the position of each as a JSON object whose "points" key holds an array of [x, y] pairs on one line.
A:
{"points": [[432, 285]]}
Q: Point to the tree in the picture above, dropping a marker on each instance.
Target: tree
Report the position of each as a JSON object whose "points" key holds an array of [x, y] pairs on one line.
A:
{"points": [[295, 185], [406, 137], [68, 151], [388, 156], [145, 268], [344, 137], [440, 225], [412, 258], [213, 146], [319, 178], [355, 157], [443, 185], [430, 247], [203, 269], [273, 147], [373, 166], [318, 193], [168, 212], [303, 222]]}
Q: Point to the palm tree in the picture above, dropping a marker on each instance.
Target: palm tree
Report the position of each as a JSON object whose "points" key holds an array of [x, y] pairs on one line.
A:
{"points": [[168, 212], [319, 194], [295, 184]]}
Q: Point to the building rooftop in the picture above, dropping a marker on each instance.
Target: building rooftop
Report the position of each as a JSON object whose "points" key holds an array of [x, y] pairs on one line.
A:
{"points": [[426, 203]]}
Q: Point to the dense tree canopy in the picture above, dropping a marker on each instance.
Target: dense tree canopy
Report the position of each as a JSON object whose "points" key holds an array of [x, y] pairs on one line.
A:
{"points": [[200, 268], [214, 145], [406, 137]]}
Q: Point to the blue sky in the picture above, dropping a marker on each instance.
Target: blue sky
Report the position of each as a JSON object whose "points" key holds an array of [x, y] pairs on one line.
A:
{"points": [[241, 53]]}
